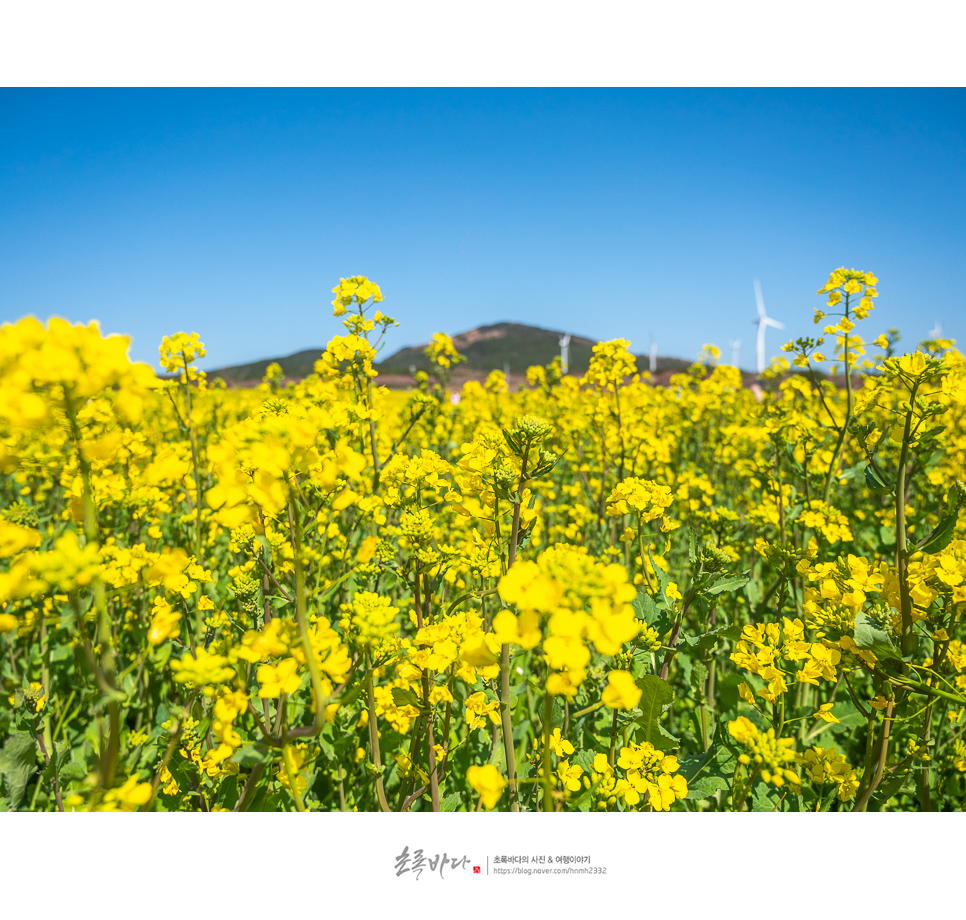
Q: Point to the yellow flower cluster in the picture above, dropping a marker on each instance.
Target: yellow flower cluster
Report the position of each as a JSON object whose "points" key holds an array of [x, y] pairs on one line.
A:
{"points": [[358, 289], [766, 753], [567, 600], [650, 777], [648, 500], [442, 351]]}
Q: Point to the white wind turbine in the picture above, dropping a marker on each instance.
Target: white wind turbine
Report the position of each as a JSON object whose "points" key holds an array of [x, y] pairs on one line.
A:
{"points": [[652, 364], [735, 346], [565, 353], [763, 320], [937, 332]]}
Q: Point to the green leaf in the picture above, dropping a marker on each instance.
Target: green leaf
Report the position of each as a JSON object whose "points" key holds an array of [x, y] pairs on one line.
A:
{"points": [[728, 583], [932, 433], [645, 607], [328, 752], [707, 773], [753, 592], [887, 535], [869, 635], [403, 697], [72, 771], [450, 802], [765, 797], [650, 613], [351, 694], [662, 576], [848, 716], [874, 481], [58, 760], [667, 742], [685, 663], [699, 673], [655, 695], [278, 602], [891, 787], [942, 536], [689, 767], [18, 760], [692, 546], [706, 786], [709, 640]]}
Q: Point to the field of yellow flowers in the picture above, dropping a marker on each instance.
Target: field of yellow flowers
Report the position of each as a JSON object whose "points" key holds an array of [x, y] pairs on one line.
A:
{"points": [[590, 595]]}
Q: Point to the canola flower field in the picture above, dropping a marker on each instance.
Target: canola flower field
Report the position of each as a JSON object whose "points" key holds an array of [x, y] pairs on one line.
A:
{"points": [[594, 594]]}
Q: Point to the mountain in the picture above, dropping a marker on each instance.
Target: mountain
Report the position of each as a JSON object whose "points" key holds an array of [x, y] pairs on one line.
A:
{"points": [[486, 348], [296, 366], [494, 347]]}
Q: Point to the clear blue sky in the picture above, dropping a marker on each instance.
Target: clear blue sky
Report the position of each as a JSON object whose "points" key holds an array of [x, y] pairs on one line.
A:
{"points": [[607, 213]]}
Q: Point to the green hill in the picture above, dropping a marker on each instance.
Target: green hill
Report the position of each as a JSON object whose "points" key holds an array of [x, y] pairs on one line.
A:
{"points": [[486, 348], [494, 347], [299, 365]]}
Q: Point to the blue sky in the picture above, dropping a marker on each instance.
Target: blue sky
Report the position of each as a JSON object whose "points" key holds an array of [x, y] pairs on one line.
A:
{"points": [[632, 212]]}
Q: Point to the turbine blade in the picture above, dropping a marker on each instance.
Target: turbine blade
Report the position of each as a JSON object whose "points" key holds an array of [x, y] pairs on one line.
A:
{"points": [[759, 299]]}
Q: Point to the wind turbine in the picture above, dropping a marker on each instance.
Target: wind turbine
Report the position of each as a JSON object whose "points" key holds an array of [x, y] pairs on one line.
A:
{"points": [[763, 320], [653, 362], [735, 346], [565, 354], [937, 333]]}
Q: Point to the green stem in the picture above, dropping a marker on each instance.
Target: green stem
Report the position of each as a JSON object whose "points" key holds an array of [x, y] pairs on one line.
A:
{"points": [[374, 734], [844, 430], [320, 699], [506, 723], [194, 463], [863, 799], [547, 781], [908, 639], [506, 718], [372, 432], [289, 761], [613, 739]]}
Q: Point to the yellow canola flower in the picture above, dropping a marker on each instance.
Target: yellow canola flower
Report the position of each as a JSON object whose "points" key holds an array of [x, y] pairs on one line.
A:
{"points": [[825, 714], [649, 777], [621, 692], [274, 680], [203, 669], [523, 630], [128, 797], [68, 566], [559, 745], [479, 711], [488, 782], [527, 587], [569, 775], [743, 730], [15, 538], [61, 366], [610, 363], [373, 618], [180, 350], [165, 623], [442, 352], [647, 499], [358, 289]]}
